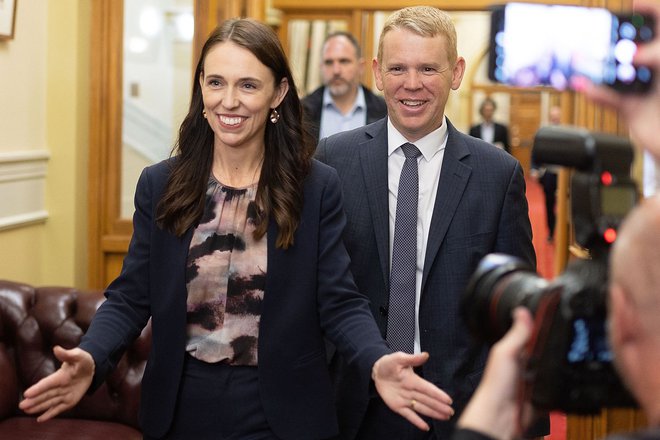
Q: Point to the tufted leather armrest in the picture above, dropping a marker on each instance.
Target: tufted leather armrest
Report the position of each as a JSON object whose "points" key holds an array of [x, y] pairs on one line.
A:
{"points": [[32, 321]]}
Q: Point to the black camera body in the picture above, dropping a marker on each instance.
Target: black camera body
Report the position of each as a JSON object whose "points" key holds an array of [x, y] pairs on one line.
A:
{"points": [[568, 361], [602, 191]]}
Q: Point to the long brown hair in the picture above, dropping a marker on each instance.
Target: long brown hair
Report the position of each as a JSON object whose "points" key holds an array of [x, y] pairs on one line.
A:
{"points": [[288, 150]]}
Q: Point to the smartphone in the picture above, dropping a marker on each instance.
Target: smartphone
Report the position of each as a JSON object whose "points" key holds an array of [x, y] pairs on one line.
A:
{"points": [[552, 45]]}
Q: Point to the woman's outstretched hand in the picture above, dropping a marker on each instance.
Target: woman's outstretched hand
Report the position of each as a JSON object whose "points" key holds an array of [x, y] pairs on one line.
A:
{"points": [[62, 389], [406, 393]]}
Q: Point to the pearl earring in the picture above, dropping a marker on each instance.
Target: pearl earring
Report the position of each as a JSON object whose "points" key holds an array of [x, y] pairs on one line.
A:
{"points": [[204, 113], [274, 116]]}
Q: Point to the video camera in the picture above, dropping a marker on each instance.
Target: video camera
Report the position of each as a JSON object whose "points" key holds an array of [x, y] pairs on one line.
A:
{"points": [[569, 364]]}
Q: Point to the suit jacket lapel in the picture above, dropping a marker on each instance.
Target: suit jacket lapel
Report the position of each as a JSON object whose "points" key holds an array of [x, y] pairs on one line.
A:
{"points": [[373, 160], [454, 177]]}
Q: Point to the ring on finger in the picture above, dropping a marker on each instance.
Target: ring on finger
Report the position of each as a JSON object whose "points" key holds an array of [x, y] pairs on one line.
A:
{"points": [[412, 404]]}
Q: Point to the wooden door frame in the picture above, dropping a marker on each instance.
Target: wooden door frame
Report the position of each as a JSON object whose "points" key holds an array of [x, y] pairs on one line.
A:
{"points": [[108, 233]]}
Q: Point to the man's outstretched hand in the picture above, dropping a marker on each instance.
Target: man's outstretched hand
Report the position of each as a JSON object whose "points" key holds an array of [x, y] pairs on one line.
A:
{"points": [[406, 393]]}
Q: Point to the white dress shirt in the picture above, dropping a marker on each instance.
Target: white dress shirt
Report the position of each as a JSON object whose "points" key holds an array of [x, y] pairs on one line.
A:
{"points": [[488, 132], [432, 147], [334, 121]]}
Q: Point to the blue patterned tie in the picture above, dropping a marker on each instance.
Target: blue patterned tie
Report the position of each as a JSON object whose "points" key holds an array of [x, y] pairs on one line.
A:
{"points": [[401, 310]]}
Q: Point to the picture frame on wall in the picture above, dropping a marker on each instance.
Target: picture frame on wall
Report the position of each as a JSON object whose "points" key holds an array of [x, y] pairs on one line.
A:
{"points": [[7, 19]]}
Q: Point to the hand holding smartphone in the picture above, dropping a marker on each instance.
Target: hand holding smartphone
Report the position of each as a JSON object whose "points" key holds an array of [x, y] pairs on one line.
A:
{"points": [[554, 45]]}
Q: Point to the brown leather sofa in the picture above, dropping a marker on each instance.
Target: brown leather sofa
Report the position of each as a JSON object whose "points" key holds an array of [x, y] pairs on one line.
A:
{"points": [[32, 321]]}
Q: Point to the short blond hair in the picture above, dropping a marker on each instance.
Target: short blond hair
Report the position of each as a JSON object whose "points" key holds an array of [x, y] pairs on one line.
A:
{"points": [[425, 21]]}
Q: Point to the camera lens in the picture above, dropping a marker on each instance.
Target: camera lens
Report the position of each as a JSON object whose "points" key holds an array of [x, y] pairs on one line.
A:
{"points": [[500, 284]]}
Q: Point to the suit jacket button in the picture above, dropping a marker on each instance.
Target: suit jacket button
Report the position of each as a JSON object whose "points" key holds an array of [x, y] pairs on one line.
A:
{"points": [[382, 310]]}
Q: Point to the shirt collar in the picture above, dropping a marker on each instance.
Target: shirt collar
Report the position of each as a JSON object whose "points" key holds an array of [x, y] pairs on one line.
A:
{"points": [[429, 145], [360, 102]]}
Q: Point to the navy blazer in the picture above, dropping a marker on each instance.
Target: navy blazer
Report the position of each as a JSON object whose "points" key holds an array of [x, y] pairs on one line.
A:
{"points": [[313, 106], [309, 294], [480, 208]]}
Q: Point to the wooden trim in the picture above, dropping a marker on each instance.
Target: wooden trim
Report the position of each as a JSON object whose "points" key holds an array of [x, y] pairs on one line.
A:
{"points": [[384, 5], [356, 25], [229, 9], [255, 9], [563, 230], [115, 243], [203, 25], [368, 47], [105, 128]]}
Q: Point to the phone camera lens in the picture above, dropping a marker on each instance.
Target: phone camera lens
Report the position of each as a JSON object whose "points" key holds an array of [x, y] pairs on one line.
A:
{"points": [[627, 31], [624, 51], [644, 74], [646, 33], [625, 73], [499, 74]]}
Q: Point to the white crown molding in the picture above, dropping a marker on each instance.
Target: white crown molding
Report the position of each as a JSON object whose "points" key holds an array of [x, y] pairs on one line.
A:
{"points": [[29, 218], [23, 156], [23, 188]]}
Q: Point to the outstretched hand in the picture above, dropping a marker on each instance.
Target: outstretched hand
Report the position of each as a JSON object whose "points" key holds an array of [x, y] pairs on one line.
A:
{"points": [[62, 389], [406, 393]]}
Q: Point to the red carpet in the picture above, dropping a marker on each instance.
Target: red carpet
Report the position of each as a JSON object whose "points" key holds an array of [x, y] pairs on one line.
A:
{"points": [[545, 250], [545, 266]]}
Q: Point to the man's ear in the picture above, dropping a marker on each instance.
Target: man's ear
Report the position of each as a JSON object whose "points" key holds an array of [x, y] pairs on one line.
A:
{"points": [[457, 73], [625, 319]]}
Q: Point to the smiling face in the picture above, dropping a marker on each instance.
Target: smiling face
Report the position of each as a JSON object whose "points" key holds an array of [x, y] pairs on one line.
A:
{"points": [[416, 83], [238, 93]]}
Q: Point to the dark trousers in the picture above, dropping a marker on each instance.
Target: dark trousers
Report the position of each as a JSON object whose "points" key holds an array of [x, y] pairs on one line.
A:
{"points": [[219, 402], [381, 423], [549, 183]]}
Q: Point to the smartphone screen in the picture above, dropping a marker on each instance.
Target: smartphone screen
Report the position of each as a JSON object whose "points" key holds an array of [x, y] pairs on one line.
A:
{"points": [[536, 44]]}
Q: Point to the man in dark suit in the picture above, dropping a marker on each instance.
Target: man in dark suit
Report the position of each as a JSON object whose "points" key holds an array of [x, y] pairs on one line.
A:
{"points": [[489, 130], [471, 201], [546, 175], [342, 103]]}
